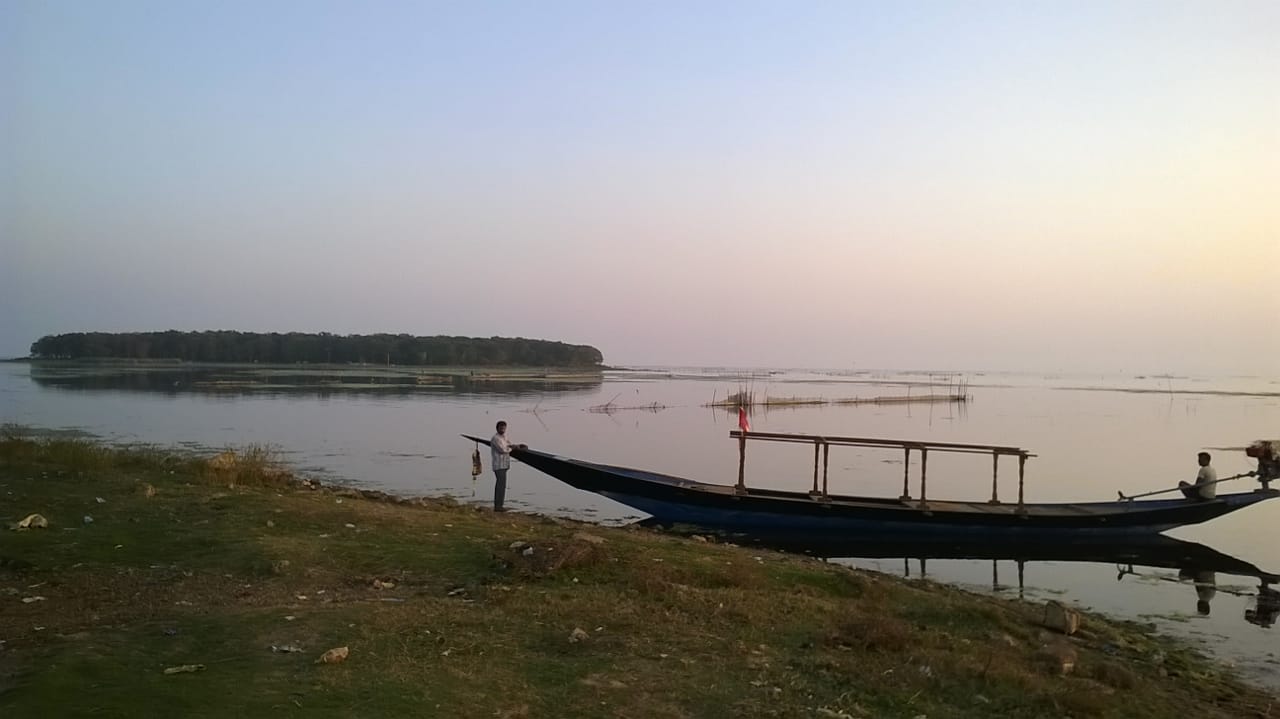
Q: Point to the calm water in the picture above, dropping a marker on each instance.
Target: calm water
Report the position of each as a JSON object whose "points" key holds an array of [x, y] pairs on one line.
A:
{"points": [[1093, 436]]}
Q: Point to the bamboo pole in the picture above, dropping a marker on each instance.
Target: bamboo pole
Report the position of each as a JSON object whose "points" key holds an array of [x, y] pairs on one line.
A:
{"points": [[906, 474], [1022, 465], [924, 475], [826, 455], [815, 468], [1123, 497], [995, 472]]}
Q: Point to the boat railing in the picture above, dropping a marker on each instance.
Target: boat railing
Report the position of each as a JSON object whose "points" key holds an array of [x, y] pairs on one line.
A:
{"points": [[822, 450]]}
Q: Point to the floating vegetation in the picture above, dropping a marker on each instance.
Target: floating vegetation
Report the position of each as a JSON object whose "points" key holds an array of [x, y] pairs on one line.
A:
{"points": [[742, 398], [1156, 390], [612, 406], [792, 401], [905, 399], [953, 392]]}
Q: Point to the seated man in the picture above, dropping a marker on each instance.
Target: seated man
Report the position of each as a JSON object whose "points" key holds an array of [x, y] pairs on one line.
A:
{"points": [[1206, 485]]}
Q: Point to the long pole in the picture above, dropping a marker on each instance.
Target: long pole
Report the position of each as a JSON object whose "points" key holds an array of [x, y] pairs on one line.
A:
{"points": [[1178, 489]]}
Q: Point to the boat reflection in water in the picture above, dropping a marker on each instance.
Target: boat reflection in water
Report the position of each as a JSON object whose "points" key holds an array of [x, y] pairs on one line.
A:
{"points": [[1263, 608], [1197, 565]]}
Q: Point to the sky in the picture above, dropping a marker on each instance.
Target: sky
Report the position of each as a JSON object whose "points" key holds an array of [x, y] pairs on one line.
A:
{"points": [[1050, 186]]}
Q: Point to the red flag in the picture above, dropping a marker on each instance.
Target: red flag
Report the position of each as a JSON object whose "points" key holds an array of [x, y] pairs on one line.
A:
{"points": [[743, 424]]}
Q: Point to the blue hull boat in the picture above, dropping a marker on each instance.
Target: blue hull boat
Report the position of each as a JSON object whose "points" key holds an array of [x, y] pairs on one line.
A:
{"points": [[677, 500]]}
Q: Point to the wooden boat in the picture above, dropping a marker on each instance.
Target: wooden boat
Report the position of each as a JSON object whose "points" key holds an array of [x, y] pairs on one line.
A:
{"points": [[671, 499]]}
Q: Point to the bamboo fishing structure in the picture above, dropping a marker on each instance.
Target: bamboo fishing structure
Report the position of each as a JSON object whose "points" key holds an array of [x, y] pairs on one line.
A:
{"points": [[954, 392], [612, 406]]}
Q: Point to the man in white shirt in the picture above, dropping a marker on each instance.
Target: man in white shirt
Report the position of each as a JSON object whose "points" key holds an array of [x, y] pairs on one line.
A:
{"points": [[1206, 485], [500, 449]]}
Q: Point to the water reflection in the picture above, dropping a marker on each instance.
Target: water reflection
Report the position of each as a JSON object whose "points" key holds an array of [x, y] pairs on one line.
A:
{"points": [[303, 380], [1206, 586], [1263, 608], [1197, 565], [1156, 550]]}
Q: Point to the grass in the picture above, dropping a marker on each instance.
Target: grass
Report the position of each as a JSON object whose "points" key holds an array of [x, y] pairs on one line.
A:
{"points": [[199, 560]]}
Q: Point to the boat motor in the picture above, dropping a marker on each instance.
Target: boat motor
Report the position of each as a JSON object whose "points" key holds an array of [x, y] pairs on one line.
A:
{"points": [[1267, 452]]}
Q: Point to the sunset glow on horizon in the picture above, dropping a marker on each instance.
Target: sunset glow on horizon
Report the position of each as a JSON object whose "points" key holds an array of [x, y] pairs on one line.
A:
{"points": [[1066, 187]]}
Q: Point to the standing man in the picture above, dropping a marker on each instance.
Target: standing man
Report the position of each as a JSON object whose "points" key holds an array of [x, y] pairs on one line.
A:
{"points": [[501, 448], [1206, 485]]}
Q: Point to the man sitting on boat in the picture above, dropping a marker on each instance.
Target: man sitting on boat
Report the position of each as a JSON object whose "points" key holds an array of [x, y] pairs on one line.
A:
{"points": [[1206, 484]]}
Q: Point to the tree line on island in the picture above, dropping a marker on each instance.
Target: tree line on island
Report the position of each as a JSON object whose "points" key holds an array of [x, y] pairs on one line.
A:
{"points": [[323, 347]]}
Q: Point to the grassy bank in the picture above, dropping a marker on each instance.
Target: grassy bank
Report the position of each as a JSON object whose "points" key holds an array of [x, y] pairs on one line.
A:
{"points": [[455, 611]]}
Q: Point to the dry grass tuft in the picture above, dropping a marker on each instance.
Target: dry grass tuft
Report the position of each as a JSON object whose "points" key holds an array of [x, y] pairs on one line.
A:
{"points": [[254, 465]]}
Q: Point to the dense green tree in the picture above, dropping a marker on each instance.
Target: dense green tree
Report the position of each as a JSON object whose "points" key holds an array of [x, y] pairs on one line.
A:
{"points": [[276, 348]]}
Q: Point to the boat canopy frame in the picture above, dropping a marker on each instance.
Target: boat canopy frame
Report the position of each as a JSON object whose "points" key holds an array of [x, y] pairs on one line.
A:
{"points": [[822, 451]]}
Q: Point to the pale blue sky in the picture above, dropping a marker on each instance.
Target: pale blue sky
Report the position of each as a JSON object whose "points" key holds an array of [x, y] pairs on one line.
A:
{"points": [[1076, 185]]}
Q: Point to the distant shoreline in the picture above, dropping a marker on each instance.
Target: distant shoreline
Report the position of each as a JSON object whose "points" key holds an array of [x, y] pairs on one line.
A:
{"points": [[325, 366], [314, 347]]}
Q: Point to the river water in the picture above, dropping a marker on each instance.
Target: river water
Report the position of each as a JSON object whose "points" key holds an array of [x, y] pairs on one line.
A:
{"points": [[1093, 436]]}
